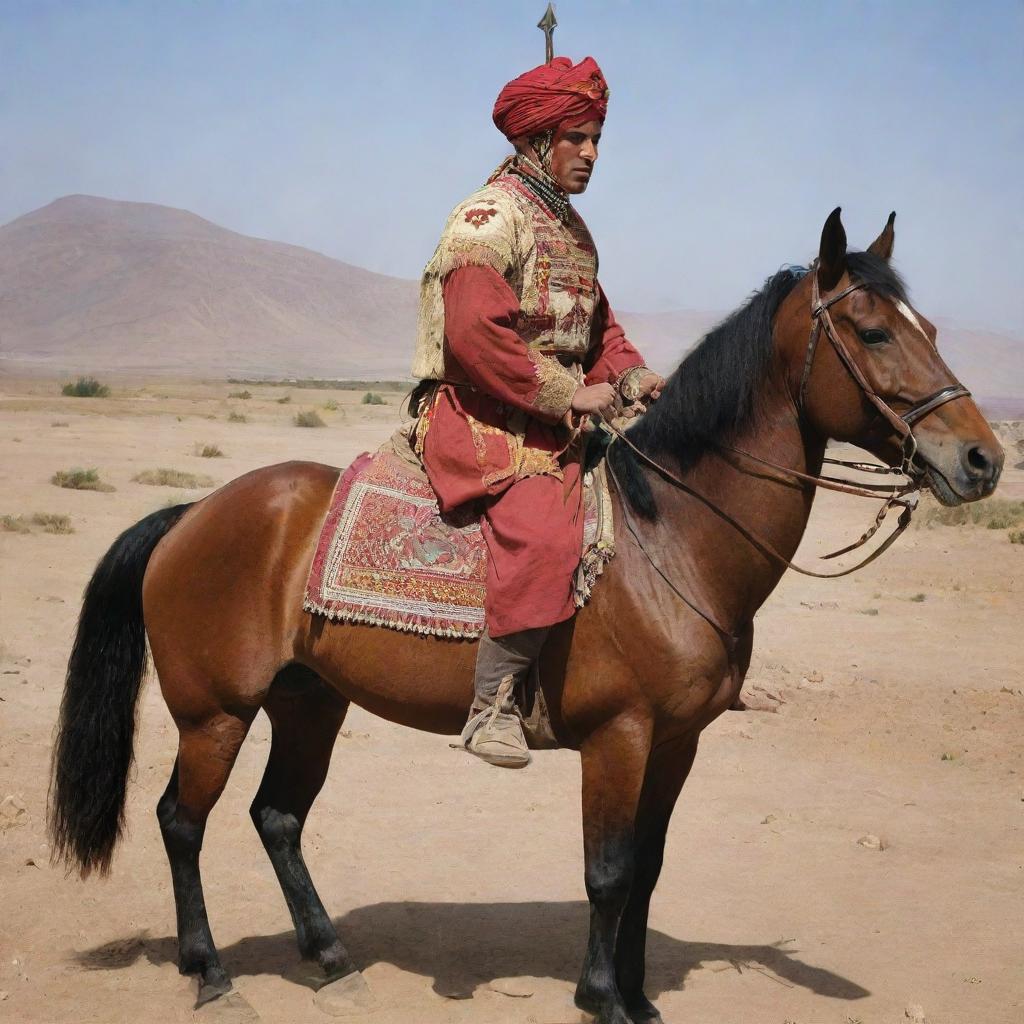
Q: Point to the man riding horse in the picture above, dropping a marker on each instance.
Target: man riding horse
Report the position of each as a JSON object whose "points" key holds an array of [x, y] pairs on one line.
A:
{"points": [[517, 346]]}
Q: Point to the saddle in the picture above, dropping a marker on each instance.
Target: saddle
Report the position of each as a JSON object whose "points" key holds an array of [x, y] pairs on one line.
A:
{"points": [[386, 556]]}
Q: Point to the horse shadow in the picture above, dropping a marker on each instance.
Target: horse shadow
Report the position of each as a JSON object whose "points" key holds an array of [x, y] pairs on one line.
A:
{"points": [[462, 946]]}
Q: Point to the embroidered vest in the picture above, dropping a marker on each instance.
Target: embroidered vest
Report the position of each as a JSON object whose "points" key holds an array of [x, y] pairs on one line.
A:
{"points": [[550, 265]]}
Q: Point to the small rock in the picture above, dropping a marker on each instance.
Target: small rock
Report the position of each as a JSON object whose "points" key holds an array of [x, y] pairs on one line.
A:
{"points": [[915, 1013], [870, 842], [768, 819], [3, 996], [759, 699], [517, 988], [12, 813], [814, 677]]}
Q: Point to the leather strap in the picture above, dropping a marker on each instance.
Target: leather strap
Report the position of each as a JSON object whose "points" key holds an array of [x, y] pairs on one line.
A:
{"points": [[927, 405], [730, 639], [762, 545], [901, 424]]}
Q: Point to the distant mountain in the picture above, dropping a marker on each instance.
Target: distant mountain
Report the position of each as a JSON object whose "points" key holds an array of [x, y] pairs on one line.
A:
{"points": [[91, 285]]}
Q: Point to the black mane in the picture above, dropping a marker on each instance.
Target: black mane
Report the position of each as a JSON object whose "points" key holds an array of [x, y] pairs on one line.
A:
{"points": [[713, 392]]}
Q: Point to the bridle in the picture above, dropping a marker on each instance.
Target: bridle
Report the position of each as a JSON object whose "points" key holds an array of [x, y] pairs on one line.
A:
{"points": [[903, 424], [898, 494]]}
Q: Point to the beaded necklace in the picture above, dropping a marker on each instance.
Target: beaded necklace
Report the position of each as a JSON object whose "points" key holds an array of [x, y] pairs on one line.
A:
{"points": [[543, 186]]}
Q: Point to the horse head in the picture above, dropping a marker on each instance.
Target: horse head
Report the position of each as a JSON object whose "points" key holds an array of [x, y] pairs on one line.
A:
{"points": [[871, 374]]}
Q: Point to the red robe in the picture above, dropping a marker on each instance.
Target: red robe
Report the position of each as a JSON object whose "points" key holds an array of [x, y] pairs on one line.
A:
{"points": [[485, 438]]}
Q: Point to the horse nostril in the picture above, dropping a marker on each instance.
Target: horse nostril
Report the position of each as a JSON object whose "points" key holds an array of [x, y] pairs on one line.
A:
{"points": [[979, 463]]}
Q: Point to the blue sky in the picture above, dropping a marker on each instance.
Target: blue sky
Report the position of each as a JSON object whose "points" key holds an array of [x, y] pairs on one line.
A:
{"points": [[734, 128]]}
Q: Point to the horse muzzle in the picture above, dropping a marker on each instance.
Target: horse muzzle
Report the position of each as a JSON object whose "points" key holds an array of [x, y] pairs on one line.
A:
{"points": [[967, 471]]}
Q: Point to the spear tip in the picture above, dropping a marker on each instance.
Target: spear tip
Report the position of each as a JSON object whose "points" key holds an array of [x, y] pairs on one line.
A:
{"points": [[547, 26]]}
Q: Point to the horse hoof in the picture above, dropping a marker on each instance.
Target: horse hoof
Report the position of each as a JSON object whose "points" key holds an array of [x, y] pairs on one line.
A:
{"points": [[223, 1007], [212, 988], [644, 1012], [601, 1012], [345, 997]]}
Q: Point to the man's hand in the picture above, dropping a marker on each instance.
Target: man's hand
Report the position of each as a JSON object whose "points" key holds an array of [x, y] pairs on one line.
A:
{"points": [[597, 398]]}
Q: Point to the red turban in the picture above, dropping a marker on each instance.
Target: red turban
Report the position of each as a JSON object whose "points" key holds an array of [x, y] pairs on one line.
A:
{"points": [[550, 96]]}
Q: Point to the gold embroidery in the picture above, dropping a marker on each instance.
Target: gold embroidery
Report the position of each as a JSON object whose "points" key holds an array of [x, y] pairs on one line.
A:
{"points": [[480, 432], [628, 383], [557, 385], [537, 462]]}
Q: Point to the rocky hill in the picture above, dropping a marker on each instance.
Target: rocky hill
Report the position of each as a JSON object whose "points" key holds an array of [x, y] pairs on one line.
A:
{"points": [[97, 285]]}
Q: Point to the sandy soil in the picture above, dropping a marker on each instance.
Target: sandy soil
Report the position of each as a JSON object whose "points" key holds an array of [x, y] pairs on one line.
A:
{"points": [[897, 704]]}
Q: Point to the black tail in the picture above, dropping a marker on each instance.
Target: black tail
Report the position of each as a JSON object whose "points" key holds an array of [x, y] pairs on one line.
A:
{"points": [[96, 728]]}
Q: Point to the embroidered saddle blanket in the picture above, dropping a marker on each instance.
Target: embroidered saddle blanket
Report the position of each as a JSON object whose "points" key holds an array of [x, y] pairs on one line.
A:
{"points": [[386, 556]]}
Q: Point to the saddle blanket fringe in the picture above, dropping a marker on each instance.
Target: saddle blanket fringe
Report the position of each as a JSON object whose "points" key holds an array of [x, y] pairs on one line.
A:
{"points": [[387, 557]]}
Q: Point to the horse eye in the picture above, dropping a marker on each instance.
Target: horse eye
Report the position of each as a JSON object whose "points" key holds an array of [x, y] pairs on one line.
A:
{"points": [[874, 336]]}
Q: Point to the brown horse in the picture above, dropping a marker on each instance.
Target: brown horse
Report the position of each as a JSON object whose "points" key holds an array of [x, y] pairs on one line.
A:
{"points": [[659, 652]]}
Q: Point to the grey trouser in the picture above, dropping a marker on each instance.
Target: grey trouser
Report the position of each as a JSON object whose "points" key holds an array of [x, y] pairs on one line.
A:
{"points": [[511, 655]]}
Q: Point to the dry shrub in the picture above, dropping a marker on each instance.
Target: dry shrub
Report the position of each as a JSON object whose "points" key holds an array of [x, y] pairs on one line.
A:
{"points": [[207, 451], [14, 524], [311, 418], [85, 387], [173, 478], [1016, 536], [80, 480], [331, 405], [237, 417], [240, 394], [372, 398], [60, 423], [52, 522], [992, 513], [284, 400]]}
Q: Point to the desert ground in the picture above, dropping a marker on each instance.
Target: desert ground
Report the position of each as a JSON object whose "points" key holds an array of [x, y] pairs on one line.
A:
{"points": [[851, 852]]}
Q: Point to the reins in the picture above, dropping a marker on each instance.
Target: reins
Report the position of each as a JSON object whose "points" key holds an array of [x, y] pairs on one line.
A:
{"points": [[903, 495], [897, 497]]}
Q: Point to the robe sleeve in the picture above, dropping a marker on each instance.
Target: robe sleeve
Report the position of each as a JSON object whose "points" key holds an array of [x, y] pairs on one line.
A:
{"points": [[480, 313], [612, 358]]}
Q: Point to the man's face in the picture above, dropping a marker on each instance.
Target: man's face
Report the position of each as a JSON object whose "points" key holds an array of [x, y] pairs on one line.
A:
{"points": [[573, 155]]}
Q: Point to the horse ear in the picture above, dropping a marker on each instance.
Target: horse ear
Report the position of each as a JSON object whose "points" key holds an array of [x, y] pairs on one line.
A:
{"points": [[882, 245], [832, 253]]}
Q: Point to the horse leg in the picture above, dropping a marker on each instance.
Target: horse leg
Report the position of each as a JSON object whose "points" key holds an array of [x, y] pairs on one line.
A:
{"points": [[306, 715], [206, 754], [666, 773], [614, 759]]}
